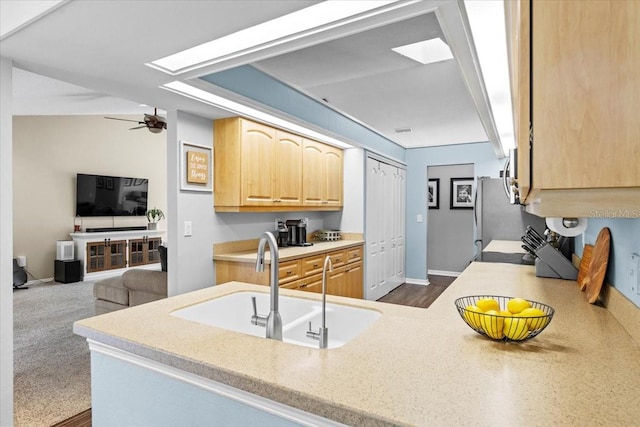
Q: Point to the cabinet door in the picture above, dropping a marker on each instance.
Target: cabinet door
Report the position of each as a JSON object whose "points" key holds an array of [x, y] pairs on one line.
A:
{"points": [[137, 251], [353, 275], [333, 178], [258, 153], [96, 256], [313, 172], [586, 94], [336, 282], [117, 254], [518, 27], [287, 169]]}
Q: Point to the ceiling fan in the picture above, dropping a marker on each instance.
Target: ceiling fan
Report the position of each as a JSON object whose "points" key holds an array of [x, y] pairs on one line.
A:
{"points": [[153, 122]]}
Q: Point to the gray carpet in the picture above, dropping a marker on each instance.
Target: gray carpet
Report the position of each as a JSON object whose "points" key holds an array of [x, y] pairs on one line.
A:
{"points": [[52, 378]]}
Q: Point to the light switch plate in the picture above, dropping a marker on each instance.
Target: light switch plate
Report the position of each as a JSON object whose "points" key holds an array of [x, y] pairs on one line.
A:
{"points": [[188, 228], [419, 218]]}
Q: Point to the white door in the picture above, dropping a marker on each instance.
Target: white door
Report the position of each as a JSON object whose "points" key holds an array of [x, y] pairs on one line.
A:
{"points": [[384, 228], [375, 249]]}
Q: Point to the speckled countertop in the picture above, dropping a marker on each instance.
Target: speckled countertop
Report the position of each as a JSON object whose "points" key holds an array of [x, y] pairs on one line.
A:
{"points": [[289, 252], [413, 366]]}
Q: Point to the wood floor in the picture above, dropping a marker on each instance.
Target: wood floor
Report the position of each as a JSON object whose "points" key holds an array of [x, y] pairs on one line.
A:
{"points": [[405, 294], [418, 295]]}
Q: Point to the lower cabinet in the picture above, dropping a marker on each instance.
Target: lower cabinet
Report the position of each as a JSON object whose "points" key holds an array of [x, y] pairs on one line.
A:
{"points": [[305, 274], [106, 255], [144, 251]]}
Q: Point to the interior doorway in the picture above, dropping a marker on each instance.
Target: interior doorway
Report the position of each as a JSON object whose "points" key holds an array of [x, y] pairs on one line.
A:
{"points": [[449, 218]]}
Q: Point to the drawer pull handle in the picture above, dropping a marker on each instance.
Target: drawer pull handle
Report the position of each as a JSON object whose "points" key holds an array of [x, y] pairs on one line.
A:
{"points": [[304, 285], [316, 265], [289, 272]]}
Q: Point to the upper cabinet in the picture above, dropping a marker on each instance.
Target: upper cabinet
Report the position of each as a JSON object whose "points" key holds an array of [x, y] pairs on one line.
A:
{"points": [[258, 168], [575, 75], [322, 174]]}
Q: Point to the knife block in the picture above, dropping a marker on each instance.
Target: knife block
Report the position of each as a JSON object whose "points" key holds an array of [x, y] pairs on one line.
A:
{"points": [[551, 263]]}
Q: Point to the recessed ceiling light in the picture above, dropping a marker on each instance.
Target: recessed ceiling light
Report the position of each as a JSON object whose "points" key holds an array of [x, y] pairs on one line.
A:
{"points": [[426, 52], [312, 19]]}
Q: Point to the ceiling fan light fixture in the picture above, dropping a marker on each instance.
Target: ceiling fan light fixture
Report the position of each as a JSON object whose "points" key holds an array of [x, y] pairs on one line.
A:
{"points": [[426, 51]]}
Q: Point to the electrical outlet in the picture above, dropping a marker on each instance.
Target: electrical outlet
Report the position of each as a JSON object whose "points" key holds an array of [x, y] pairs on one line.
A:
{"points": [[188, 228], [634, 279], [276, 222]]}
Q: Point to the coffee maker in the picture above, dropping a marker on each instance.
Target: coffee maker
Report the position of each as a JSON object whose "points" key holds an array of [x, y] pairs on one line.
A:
{"points": [[297, 232], [282, 235]]}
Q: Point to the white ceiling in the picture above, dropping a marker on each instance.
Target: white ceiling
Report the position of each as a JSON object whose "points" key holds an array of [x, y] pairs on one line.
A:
{"points": [[93, 54]]}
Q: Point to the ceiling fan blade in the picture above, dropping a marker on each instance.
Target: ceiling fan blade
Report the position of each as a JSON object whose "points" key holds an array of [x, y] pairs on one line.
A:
{"points": [[124, 120], [138, 127]]}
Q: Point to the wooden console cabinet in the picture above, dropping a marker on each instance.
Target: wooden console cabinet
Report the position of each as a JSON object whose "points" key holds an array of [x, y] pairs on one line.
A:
{"points": [[305, 273], [104, 254]]}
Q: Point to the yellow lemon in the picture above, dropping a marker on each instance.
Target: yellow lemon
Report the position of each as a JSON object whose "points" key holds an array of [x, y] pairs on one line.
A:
{"points": [[472, 315], [505, 313], [535, 319], [493, 324], [515, 328], [486, 304], [516, 305]]}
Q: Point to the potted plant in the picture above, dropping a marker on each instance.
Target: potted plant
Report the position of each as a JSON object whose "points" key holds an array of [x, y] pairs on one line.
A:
{"points": [[153, 216]]}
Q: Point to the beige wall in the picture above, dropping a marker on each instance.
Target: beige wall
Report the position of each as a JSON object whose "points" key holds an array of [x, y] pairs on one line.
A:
{"points": [[48, 152]]}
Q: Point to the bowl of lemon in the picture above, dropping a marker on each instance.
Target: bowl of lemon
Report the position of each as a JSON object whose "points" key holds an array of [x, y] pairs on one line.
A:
{"points": [[504, 318]]}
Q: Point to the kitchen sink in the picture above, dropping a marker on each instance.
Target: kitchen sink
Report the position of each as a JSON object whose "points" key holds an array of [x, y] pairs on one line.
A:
{"points": [[233, 312]]}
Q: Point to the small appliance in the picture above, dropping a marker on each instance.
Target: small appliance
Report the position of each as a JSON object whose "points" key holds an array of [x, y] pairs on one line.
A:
{"points": [[283, 235], [297, 232]]}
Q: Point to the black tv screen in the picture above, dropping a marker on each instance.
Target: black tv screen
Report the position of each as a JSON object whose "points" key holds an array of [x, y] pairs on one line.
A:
{"points": [[102, 195]]}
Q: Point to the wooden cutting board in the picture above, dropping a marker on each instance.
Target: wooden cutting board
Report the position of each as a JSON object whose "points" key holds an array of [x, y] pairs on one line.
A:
{"points": [[598, 267], [585, 263]]}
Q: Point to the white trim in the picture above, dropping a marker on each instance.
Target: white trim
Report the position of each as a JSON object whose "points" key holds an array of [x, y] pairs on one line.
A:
{"points": [[422, 282], [383, 159], [215, 387], [444, 273]]}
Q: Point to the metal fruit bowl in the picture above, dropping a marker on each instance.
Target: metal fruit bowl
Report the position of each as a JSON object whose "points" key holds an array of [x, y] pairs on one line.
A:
{"points": [[502, 327]]}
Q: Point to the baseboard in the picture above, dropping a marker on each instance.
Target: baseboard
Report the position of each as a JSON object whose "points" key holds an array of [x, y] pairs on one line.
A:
{"points": [[411, 281], [444, 273]]}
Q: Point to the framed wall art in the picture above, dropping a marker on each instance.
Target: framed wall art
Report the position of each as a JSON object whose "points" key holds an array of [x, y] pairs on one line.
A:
{"points": [[195, 167], [461, 193], [433, 193]]}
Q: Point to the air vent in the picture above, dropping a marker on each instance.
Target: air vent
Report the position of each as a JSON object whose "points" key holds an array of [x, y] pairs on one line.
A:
{"points": [[403, 130]]}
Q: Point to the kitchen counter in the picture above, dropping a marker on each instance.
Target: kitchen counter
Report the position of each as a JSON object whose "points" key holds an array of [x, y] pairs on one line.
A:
{"points": [[412, 366], [289, 252], [505, 246]]}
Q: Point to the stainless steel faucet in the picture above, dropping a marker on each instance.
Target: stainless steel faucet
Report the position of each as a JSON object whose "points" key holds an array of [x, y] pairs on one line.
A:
{"points": [[273, 320], [323, 333]]}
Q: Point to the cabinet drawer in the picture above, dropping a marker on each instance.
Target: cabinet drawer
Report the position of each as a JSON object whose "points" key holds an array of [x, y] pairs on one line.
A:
{"points": [[354, 254], [288, 271], [307, 284], [312, 265], [338, 258]]}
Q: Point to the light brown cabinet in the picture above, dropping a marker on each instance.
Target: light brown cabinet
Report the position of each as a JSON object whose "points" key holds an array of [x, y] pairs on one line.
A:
{"points": [[575, 72], [305, 273], [322, 174], [258, 168]]}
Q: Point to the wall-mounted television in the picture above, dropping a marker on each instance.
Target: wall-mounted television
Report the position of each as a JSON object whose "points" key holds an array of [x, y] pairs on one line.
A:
{"points": [[102, 195]]}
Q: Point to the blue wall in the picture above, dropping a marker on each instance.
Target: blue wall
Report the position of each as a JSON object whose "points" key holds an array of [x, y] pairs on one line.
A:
{"points": [[625, 240], [252, 83], [418, 159]]}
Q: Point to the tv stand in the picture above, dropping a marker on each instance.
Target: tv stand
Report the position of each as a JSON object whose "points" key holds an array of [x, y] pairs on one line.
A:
{"points": [[112, 251], [110, 229]]}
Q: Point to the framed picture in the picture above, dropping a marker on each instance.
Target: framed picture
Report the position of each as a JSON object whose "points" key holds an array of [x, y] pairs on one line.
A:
{"points": [[195, 167], [108, 183], [433, 194], [127, 182], [461, 193]]}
